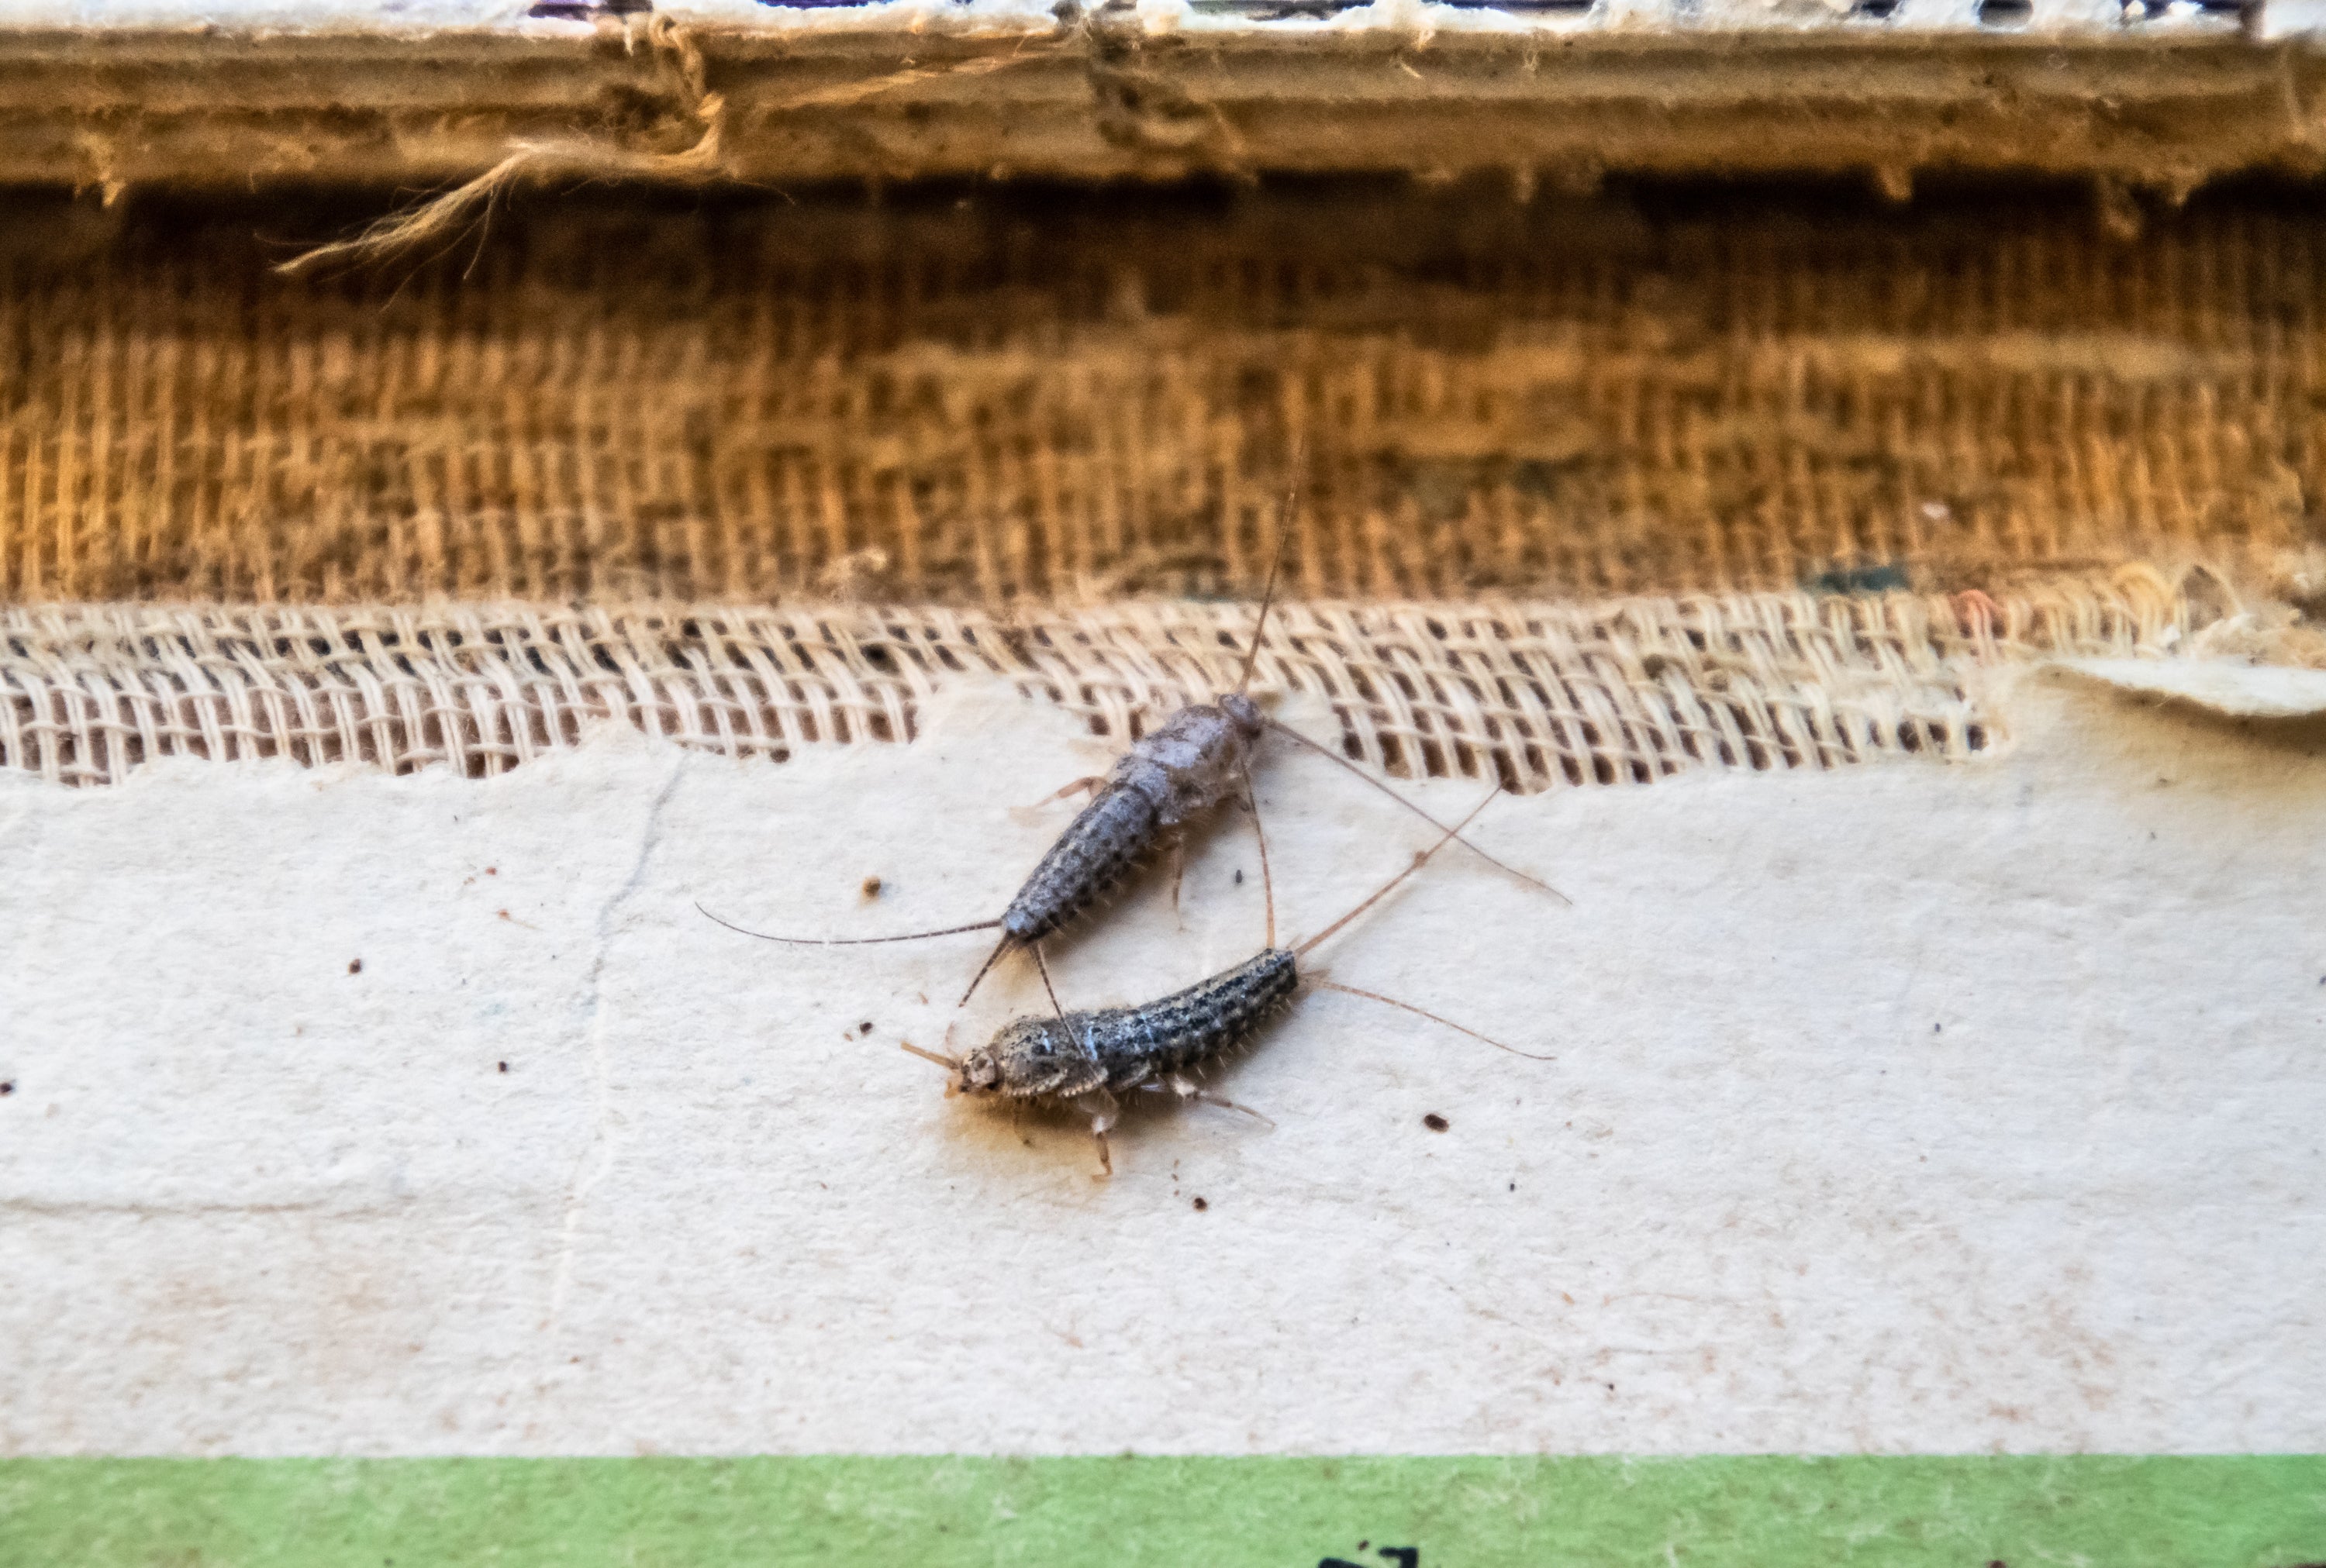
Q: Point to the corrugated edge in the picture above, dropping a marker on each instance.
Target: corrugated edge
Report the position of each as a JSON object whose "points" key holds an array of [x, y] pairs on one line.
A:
{"points": [[911, 92], [2051, 18]]}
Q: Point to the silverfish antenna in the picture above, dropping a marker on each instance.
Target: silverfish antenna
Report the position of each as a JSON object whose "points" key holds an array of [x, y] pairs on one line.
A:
{"points": [[991, 959], [1035, 949], [1284, 526], [986, 967], [1419, 860], [852, 941], [1267, 883], [1342, 762], [1433, 1017], [1275, 562]]}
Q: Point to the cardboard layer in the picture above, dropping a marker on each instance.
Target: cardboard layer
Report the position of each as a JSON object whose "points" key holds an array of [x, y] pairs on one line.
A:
{"points": [[1900, 1108], [890, 93]]}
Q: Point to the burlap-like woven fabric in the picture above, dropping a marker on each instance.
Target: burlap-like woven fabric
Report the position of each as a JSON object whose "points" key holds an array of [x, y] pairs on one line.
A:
{"points": [[1029, 400], [1590, 491]]}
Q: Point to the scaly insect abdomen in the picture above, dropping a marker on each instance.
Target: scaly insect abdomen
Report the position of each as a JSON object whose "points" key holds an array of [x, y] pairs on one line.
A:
{"points": [[1109, 1050], [1214, 1016], [1089, 857], [1190, 766]]}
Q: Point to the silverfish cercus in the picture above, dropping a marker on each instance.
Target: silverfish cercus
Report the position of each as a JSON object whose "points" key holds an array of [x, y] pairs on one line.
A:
{"points": [[1198, 759], [1087, 1059]]}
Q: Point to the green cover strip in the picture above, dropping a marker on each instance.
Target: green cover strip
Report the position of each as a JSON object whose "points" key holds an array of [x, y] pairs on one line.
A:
{"points": [[1734, 1512]]}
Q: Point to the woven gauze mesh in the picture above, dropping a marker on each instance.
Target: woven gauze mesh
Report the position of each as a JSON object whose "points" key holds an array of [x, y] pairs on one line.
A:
{"points": [[983, 405], [1619, 692]]}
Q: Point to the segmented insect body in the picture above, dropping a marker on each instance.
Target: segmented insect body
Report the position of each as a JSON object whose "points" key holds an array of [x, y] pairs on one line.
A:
{"points": [[1087, 1058], [1197, 760], [1120, 1049], [1200, 757]]}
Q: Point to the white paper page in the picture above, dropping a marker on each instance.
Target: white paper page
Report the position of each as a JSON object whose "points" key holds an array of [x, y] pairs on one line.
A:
{"points": [[1907, 1107]]}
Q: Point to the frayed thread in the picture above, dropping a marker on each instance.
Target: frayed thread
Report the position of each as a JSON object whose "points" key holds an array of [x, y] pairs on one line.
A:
{"points": [[444, 214]]}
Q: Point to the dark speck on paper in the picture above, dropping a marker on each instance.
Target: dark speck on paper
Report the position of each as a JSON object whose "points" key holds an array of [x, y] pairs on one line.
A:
{"points": [[1435, 1122]]}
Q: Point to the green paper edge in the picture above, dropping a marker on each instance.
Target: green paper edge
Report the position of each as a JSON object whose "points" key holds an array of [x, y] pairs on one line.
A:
{"points": [[2230, 1511]]}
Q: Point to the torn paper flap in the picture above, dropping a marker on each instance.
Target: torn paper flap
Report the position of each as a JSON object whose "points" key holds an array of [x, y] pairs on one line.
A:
{"points": [[2230, 686]]}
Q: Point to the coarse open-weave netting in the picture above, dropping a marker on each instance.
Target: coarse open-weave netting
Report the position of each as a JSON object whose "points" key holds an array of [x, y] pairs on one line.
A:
{"points": [[1619, 692]]}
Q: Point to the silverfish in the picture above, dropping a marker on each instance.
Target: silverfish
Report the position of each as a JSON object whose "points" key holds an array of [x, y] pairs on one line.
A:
{"points": [[1200, 757], [1087, 1059]]}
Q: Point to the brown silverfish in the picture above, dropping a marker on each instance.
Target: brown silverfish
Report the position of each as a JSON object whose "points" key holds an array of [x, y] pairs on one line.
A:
{"points": [[1200, 759], [1085, 1059]]}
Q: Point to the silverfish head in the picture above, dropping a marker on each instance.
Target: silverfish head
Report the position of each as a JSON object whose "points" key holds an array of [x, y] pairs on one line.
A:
{"points": [[1245, 712]]}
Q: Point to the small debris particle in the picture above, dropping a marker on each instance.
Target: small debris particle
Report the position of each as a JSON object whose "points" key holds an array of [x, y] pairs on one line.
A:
{"points": [[872, 887], [355, 966], [1435, 1122], [492, 871], [502, 1065], [1936, 1028], [865, 1027], [7, 1087], [1239, 875], [1514, 1186], [1199, 1205]]}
